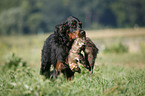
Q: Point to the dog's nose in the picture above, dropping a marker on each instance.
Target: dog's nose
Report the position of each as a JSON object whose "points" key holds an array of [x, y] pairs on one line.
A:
{"points": [[83, 32]]}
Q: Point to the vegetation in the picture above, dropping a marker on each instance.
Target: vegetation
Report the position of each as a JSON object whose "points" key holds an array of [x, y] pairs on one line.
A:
{"points": [[119, 48], [38, 16], [106, 80], [115, 74], [13, 63]]}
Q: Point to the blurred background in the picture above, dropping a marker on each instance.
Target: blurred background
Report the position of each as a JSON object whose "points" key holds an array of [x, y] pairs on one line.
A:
{"points": [[41, 16]]}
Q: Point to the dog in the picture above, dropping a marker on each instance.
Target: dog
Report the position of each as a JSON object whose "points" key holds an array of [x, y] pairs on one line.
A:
{"points": [[56, 47]]}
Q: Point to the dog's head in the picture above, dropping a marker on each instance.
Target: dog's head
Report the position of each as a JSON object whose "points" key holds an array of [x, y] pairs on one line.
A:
{"points": [[70, 29], [74, 28]]}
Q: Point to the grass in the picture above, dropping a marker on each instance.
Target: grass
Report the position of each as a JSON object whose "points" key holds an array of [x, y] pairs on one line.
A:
{"points": [[106, 80], [115, 74]]}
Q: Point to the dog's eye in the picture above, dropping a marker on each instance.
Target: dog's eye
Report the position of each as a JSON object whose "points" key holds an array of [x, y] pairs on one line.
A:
{"points": [[73, 24]]}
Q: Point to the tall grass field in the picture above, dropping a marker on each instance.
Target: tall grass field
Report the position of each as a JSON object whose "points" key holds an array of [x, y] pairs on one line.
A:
{"points": [[119, 67]]}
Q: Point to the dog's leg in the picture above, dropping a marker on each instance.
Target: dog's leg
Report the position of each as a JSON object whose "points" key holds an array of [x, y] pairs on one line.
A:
{"points": [[54, 74], [69, 78], [68, 73], [54, 69], [45, 63], [45, 70]]}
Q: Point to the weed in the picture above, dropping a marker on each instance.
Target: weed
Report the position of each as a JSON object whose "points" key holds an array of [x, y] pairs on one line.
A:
{"points": [[106, 80], [13, 63], [118, 48]]}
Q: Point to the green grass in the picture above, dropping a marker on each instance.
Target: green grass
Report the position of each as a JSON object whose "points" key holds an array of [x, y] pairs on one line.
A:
{"points": [[106, 80], [126, 59], [115, 74]]}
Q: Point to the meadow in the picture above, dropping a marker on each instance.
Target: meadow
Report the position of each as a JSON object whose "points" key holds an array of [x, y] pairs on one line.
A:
{"points": [[119, 68]]}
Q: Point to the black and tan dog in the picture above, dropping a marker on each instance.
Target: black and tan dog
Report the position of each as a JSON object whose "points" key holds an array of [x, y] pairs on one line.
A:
{"points": [[56, 47]]}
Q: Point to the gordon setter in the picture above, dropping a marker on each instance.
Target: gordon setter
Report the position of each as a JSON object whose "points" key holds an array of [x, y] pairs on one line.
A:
{"points": [[56, 47]]}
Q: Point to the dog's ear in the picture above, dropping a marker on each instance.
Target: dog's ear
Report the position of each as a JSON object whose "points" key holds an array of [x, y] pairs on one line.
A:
{"points": [[66, 26], [58, 28], [62, 27]]}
